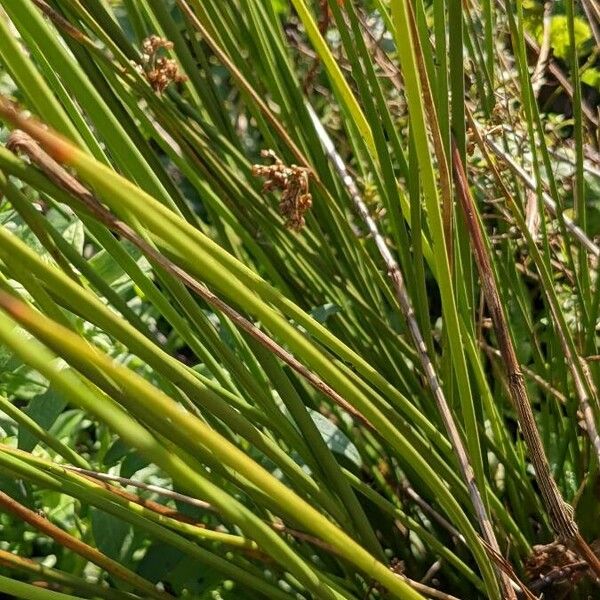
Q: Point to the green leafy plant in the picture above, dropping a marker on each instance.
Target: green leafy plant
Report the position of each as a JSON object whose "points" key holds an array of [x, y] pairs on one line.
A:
{"points": [[298, 299]]}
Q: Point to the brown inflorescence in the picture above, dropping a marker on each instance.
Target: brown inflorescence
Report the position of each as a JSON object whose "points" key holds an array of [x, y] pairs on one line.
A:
{"points": [[554, 563], [159, 70], [293, 182]]}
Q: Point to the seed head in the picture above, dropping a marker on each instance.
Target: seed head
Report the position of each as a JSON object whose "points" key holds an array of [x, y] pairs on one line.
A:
{"points": [[159, 70], [293, 182]]}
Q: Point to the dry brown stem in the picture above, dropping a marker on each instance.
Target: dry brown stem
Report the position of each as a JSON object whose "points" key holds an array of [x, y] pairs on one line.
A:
{"points": [[43, 525], [559, 512]]}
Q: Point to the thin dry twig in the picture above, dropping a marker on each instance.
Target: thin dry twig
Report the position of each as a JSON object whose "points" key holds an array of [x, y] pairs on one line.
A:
{"points": [[540, 381], [58, 580], [156, 489], [531, 183], [59, 20], [506, 567], [433, 569], [104, 479], [278, 525], [560, 151], [385, 63], [564, 82], [592, 11], [42, 524], [429, 510], [537, 78]]}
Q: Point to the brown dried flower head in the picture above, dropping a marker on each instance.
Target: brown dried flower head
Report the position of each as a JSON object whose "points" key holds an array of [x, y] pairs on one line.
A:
{"points": [[160, 71], [293, 182], [554, 562], [152, 44]]}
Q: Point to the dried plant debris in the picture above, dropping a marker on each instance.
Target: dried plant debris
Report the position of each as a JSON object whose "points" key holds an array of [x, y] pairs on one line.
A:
{"points": [[160, 71], [293, 182], [555, 566]]}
